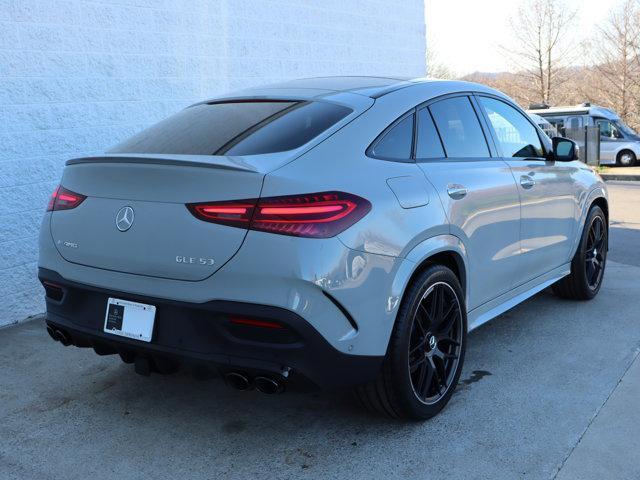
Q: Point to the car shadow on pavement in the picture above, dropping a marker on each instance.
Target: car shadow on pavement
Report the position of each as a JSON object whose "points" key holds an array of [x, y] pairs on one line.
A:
{"points": [[109, 390], [532, 379]]}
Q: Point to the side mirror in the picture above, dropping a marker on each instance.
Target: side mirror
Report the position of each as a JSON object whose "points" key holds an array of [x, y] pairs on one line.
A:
{"points": [[564, 150]]}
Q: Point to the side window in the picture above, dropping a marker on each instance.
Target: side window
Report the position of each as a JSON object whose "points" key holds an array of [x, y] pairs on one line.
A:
{"points": [[459, 128], [557, 122], [575, 122], [517, 135], [397, 141], [429, 145], [608, 129]]}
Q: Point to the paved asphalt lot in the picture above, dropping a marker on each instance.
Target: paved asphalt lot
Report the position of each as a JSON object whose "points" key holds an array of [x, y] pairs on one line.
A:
{"points": [[550, 389]]}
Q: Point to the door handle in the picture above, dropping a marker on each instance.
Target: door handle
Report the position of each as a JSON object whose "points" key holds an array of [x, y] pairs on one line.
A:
{"points": [[527, 182], [456, 191]]}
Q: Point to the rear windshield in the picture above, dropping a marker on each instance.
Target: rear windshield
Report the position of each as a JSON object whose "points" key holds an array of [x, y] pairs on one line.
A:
{"points": [[236, 128]]}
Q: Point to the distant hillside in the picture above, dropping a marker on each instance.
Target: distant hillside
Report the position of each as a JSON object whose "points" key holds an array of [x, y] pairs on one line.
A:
{"points": [[573, 86]]}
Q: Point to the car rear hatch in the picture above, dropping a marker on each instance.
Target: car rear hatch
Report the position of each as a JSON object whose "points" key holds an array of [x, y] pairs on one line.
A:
{"points": [[163, 239], [215, 151]]}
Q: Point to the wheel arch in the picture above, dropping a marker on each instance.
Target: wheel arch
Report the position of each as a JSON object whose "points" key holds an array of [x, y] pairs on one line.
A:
{"points": [[626, 148], [597, 196], [447, 250], [603, 204], [447, 258]]}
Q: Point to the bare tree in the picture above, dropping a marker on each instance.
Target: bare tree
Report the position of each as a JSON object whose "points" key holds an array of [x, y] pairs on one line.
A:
{"points": [[542, 50], [513, 84], [436, 68], [615, 56]]}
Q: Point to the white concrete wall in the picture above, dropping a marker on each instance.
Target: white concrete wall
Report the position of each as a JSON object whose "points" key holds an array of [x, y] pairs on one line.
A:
{"points": [[77, 76]]}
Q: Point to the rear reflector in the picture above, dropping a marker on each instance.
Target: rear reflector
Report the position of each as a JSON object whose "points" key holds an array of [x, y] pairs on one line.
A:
{"points": [[314, 215], [254, 322], [53, 291], [63, 199]]}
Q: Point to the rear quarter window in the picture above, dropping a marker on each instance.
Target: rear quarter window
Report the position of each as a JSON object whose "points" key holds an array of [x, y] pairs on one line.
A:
{"points": [[236, 128], [396, 142]]}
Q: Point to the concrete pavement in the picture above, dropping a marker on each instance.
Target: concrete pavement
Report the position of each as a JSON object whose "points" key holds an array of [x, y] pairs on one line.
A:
{"points": [[610, 447], [549, 389], [624, 245]]}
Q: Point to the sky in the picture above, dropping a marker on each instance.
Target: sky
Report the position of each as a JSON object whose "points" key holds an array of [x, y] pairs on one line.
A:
{"points": [[465, 35]]}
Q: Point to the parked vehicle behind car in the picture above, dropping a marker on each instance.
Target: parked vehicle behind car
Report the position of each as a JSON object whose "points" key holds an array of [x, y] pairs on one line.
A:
{"points": [[549, 129], [619, 143], [328, 232]]}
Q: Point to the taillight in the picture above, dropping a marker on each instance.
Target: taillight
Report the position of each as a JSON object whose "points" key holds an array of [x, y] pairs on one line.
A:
{"points": [[235, 214], [315, 215], [63, 199], [318, 215]]}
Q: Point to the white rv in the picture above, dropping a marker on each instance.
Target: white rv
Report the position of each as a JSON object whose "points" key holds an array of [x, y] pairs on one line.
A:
{"points": [[619, 143]]}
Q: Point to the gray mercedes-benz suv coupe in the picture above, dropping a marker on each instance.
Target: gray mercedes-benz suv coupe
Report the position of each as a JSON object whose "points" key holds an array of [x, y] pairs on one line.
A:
{"points": [[327, 232]]}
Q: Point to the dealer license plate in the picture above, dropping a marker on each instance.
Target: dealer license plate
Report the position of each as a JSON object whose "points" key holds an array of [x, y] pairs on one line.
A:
{"points": [[129, 319]]}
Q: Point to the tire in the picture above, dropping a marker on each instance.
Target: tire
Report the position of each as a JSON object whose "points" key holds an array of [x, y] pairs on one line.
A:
{"points": [[626, 158], [584, 281], [422, 342]]}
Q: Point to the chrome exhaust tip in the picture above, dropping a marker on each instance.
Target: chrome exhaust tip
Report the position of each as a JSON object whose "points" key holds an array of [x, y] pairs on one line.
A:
{"points": [[268, 385], [237, 380], [59, 336], [52, 333], [63, 338]]}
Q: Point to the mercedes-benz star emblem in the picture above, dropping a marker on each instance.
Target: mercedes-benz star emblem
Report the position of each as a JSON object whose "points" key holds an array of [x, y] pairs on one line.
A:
{"points": [[124, 219]]}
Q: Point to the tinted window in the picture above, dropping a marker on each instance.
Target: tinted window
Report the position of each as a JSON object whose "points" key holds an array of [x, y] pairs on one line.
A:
{"points": [[429, 145], [459, 128], [516, 135], [624, 128], [607, 129], [236, 128], [397, 142], [575, 122], [558, 124]]}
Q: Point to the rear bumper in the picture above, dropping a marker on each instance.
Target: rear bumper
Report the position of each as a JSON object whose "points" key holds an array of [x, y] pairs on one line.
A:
{"points": [[201, 336], [350, 297]]}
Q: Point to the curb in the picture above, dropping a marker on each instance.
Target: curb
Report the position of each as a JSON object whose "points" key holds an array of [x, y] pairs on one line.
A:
{"points": [[607, 177]]}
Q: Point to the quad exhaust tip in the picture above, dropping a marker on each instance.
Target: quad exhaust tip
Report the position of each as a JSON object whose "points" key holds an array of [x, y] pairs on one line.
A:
{"points": [[63, 338], [268, 385], [52, 333], [59, 336], [237, 380], [265, 385]]}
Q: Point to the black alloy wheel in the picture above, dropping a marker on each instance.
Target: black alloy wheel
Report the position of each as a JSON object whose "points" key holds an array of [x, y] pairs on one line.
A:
{"points": [[595, 253], [436, 338], [426, 350], [589, 261]]}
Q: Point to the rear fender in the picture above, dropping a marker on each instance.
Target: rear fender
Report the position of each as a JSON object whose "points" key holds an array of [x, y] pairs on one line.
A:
{"points": [[599, 191], [421, 253]]}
